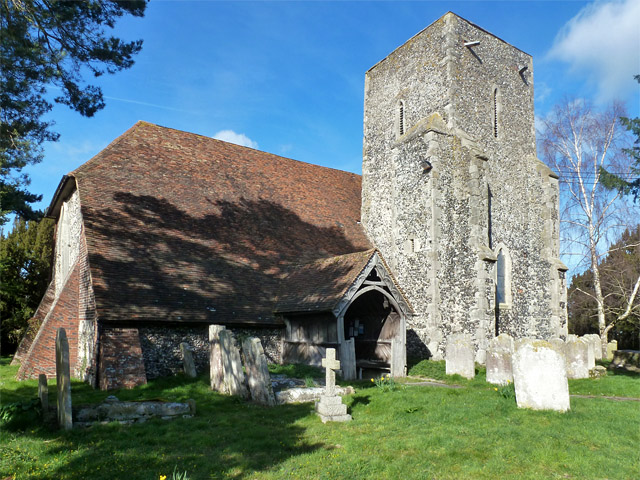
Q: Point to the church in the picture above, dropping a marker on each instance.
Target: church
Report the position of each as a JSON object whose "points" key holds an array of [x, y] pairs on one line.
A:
{"points": [[452, 227]]}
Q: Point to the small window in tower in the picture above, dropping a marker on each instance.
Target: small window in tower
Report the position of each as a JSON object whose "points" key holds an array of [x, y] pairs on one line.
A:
{"points": [[503, 277], [495, 113], [500, 284], [401, 121]]}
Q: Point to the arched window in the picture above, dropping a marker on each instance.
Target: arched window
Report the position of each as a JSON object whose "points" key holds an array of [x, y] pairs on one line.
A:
{"points": [[503, 277], [500, 283]]}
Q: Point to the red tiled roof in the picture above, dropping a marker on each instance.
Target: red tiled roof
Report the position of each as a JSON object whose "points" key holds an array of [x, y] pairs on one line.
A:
{"points": [[182, 227], [321, 284]]}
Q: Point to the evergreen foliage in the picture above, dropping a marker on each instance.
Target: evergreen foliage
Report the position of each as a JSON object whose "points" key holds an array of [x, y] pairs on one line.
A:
{"points": [[47, 43], [25, 268], [615, 182]]}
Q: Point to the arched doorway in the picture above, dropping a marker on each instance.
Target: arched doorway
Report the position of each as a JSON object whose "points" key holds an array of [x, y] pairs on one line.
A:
{"points": [[372, 322]]}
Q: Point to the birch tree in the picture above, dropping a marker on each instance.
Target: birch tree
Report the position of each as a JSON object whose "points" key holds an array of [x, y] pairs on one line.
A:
{"points": [[579, 142]]}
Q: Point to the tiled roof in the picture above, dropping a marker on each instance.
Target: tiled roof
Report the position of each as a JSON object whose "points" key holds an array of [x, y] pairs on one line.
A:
{"points": [[182, 227], [321, 284]]}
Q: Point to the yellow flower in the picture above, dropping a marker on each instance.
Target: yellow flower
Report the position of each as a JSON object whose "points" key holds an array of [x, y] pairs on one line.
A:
{"points": [[372, 380], [163, 477], [495, 388]]}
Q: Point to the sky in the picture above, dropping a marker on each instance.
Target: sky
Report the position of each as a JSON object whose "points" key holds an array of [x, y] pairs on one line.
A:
{"points": [[287, 77]]}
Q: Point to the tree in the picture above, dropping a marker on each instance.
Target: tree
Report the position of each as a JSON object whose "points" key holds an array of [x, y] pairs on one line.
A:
{"points": [[616, 181], [579, 142], [25, 269], [620, 278], [51, 43]]}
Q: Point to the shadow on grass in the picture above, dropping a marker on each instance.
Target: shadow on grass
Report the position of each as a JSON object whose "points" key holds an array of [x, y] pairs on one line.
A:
{"points": [[227, 438]]}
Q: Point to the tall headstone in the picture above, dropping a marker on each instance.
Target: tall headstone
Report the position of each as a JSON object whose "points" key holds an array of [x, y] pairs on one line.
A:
{"points": [[330, 407], [63, 379], [576, 353], [597, 345], [43, 392], [398, 358], [540, 377], [612, 346], [187, 360], [232, 366], [498, 361], [216, 372], [348, 359], [258, 378], [460, 358], [591, 352]]}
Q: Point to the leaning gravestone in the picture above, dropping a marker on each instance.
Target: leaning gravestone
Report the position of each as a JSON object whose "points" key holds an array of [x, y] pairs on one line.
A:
{"points": [[498, 362], [330, 407], [576, 353], [63, 379], [43, 392], [459, 356], [255, 362], [540, 377], [187, 360], [232, 366], [216, 371]]}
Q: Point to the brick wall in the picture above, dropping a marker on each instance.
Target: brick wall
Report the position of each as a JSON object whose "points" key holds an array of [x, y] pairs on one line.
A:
{"points": [[41, 357], [34, 324], [120, 361]]}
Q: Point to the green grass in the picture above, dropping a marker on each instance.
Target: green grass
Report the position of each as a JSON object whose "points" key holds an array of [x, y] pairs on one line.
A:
{"points": [[415, 432]]}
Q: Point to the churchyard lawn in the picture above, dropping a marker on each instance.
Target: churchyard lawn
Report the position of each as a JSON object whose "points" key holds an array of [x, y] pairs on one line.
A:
{"points": [[417, 432]]}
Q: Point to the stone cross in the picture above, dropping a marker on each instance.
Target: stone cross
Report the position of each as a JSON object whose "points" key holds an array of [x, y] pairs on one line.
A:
{"points": [[331, 365]]}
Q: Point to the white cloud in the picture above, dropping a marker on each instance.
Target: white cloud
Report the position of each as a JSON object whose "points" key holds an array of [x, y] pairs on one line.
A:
{"points": [[603, 42], [237, 138]]}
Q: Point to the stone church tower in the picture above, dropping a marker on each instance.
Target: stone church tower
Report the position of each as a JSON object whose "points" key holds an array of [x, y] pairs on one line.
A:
{"points": [[454, 196]]}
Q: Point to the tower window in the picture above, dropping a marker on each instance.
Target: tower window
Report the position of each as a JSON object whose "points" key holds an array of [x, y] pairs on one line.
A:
{"points": [[495, 113], [401, 118], [503, 277]]}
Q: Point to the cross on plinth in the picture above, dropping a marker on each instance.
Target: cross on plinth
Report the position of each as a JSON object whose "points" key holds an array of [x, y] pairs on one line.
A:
{"points": [[331, 364]]}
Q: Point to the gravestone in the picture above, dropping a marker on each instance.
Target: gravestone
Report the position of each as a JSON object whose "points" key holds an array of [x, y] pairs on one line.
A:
{"points": [[232, 366], [187, 360], [612, 346], [498, 361], [576, 354], [460, 358], [43, 392], [398, 358], [216, 371], [557, 344], [597, 345], [63, 379], [539, 376], [348, 359], [259, 380], [591, 351], [330, 407]]}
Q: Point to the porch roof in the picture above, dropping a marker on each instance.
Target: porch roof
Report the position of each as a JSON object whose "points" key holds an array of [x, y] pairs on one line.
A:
{"points": [[319, 285]]}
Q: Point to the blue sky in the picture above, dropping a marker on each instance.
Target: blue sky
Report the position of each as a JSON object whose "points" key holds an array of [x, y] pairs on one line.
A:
{"points": [[288, 77]]}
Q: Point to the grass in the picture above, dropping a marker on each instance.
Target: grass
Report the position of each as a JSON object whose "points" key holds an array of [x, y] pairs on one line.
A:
{"points": [[415, 432]]}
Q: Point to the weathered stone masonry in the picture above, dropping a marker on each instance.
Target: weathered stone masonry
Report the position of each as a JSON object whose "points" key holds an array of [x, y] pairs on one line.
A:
{"points": [[459, 185]]}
